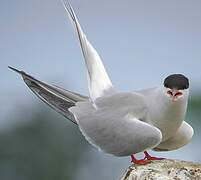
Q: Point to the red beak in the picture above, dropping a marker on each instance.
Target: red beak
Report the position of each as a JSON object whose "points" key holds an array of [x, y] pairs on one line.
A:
{"points": [[174, 94]]}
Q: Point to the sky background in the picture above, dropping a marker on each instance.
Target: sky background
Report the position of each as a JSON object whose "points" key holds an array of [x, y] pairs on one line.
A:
{"points": [[140, 42]]}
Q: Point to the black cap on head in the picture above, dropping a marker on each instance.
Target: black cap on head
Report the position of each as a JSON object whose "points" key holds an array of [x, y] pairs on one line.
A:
{"points": [[177, 81]]}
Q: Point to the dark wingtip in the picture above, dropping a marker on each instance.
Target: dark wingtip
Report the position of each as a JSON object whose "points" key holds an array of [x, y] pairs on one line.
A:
{"points": [[16, 70]]}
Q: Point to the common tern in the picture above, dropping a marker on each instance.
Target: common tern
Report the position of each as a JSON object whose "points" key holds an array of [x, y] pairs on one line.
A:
{"points": [[120, 123]]}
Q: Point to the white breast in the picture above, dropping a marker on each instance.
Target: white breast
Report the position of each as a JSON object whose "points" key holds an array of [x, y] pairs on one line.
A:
{"points": [[166, 114]]}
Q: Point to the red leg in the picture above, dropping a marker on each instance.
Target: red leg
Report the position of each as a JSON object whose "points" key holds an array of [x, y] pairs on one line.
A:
{"points": [[147, 156], [141, 162]]}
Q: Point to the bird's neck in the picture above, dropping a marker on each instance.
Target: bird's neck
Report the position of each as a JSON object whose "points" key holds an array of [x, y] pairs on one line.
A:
{"points": [[169, 115]]}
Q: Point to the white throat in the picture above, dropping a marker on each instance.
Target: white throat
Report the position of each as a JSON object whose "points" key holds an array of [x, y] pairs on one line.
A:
{"points": [[166, 114]]}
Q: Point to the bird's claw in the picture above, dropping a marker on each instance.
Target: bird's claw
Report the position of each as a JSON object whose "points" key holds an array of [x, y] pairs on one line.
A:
{"points": [[153, 158], [148, 157], [140, 162]]}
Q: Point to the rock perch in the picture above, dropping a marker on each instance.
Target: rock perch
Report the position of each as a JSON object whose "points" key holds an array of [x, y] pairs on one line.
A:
{"points": [[164, 170]]}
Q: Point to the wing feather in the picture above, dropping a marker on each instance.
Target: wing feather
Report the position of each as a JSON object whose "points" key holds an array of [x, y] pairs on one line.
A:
{"points": [[98, 81], [57, 98], [116, 129]]}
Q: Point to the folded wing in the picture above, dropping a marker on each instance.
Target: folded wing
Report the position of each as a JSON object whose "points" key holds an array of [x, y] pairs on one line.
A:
{"points": [[116, 129], [181, 138]]}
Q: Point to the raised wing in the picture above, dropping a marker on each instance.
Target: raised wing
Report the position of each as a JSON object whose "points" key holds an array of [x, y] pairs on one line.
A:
{"points": [[57, 98], [98, 81]]}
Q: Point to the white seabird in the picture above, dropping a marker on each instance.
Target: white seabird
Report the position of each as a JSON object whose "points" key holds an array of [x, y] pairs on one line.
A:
{"points": [[118, 123]]}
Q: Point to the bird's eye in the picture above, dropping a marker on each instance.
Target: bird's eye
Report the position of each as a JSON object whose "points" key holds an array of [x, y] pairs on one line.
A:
{"points": [[170, 92]]}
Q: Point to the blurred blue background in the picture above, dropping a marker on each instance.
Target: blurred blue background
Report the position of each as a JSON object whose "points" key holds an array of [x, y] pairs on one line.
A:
{"points": [[140, 42]]}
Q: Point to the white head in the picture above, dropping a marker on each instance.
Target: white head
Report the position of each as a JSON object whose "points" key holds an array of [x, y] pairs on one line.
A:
{"points": [[176, 87]]}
